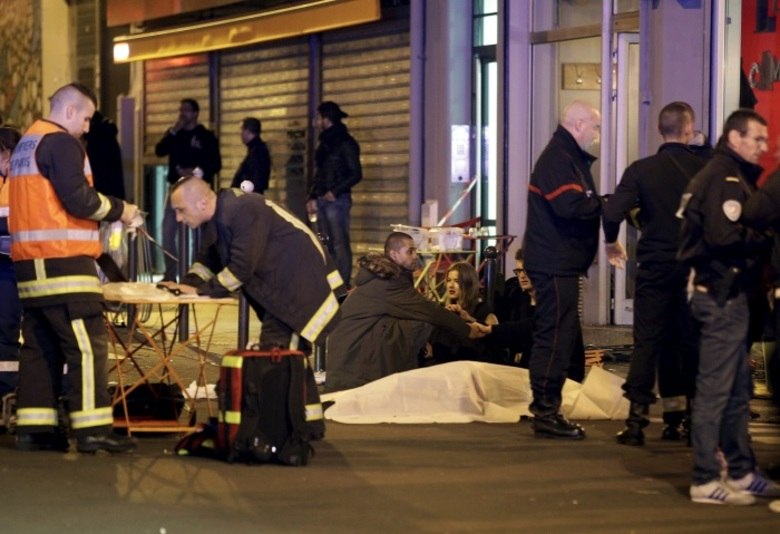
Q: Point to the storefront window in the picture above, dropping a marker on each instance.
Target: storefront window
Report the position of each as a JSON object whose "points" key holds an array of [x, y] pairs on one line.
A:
{"points": [[626, 6], [485, 22]]}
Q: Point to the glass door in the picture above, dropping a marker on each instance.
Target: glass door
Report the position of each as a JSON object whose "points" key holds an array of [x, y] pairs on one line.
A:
{"points": [[626, 151]]}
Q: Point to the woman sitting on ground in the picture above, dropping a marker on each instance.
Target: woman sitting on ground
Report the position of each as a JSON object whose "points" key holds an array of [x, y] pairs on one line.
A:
{"points": [[462, 298], [462, 295]]}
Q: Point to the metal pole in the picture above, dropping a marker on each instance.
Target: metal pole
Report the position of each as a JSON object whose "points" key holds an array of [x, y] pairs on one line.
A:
{"points": [[184, 314], [243, 321], [132, 270], [491, 253]]}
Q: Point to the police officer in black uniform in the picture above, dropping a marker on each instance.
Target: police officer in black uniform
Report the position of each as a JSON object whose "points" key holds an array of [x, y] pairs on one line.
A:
{"points": [[664, 339], [723, 255]]}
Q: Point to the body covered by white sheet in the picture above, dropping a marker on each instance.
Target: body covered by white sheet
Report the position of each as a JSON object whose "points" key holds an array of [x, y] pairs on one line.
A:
{"points": [[464, 392]]}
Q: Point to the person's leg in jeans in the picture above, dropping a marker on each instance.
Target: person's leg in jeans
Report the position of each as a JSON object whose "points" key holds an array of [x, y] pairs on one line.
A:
{"points": [[335, 218], [722, 357]]}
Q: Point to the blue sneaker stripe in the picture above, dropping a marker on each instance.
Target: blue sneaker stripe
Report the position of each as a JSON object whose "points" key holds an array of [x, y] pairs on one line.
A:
{"points": [[718, 494], [758, 485]]}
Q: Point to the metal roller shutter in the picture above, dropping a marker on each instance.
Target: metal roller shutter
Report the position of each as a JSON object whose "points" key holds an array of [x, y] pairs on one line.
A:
{"points": [[270, 83], [166, 82], [366, 71]]}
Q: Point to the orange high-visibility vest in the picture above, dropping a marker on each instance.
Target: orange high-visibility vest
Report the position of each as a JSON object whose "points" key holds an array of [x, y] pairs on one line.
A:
{"points": [[40, 226], [4, 196]]}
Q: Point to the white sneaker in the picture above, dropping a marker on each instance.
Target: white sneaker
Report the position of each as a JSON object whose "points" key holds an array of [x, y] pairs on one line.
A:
{"points": [[755, 484], [717, 492]]}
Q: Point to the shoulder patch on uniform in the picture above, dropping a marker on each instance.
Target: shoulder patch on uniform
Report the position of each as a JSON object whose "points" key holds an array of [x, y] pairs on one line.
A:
{"points": [[732, 179], [732, 209]]}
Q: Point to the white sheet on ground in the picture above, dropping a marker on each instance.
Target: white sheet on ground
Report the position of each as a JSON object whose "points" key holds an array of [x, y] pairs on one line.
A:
{"points": [[463, 392]]}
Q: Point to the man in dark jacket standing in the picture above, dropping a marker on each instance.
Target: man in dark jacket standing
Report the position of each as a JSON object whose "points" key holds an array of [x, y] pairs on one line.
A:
{"points": [[385, 321], [338, 171], [561, 240], [253, 245], [188, 145], [723, 255], [256, 167], [664, 338]]}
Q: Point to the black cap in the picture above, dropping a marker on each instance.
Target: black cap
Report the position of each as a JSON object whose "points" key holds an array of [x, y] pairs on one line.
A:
{"points": [[331, 111]]}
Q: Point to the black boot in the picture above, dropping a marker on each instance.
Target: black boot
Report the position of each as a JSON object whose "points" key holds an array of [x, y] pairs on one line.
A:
{"points": [[637, 420], [673, 428]]}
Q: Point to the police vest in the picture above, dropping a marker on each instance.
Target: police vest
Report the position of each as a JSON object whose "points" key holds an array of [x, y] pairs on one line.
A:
{"points": [[40, 226]]}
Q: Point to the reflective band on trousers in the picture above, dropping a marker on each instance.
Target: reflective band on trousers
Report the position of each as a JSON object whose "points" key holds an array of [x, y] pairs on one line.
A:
{"points": [[36, 417], [61, 285], [92, 418], [674, 404], [9, 367], [313, 412], [230, 417]]}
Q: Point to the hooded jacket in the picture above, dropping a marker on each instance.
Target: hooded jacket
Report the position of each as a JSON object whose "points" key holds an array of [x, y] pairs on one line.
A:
{"points": [[385, 323]]}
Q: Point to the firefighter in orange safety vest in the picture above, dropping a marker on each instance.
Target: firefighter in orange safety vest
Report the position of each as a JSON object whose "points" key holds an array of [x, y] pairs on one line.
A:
{"points": [[54, 218]]}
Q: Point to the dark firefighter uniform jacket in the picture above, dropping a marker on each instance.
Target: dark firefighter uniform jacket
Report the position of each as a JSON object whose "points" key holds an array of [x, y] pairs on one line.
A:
{"points": [[562, 230], [254, 245]]}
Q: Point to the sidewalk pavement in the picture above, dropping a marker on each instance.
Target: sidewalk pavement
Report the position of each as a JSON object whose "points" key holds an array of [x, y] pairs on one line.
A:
{"points": [[384, 478]]}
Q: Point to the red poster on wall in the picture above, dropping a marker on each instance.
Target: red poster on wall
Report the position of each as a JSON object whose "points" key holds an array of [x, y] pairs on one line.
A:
{"points": [[761, 66]]}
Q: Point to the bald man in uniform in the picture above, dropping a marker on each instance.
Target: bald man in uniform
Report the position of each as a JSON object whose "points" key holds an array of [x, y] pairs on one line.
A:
{"points": [[561, 240]]}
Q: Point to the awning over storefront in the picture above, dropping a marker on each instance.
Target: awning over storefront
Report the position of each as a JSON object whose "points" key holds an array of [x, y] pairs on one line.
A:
{"points": [[289, 21]]}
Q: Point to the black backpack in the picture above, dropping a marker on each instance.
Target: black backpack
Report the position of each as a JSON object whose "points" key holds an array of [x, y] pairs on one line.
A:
{"points": [[263, 405]]}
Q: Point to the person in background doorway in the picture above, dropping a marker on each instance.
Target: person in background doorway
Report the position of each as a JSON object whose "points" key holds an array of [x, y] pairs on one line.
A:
{"points": [[105, 156], [256, 167], [338, 170]]}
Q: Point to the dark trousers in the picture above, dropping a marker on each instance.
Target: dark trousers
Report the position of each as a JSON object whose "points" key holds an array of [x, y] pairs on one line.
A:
{"points": [[724, 387], [334, 220], [665, 341], [558, 351], [73, 334], [10, 326]]}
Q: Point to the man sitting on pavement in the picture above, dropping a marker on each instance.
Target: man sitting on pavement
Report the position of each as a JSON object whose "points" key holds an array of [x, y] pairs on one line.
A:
{"points": [[385, 322]]}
